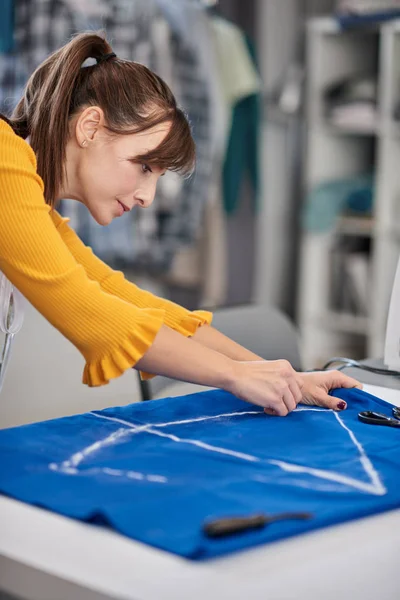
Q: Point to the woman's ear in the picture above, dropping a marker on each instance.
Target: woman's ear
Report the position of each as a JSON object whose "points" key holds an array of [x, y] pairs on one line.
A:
{"points": [[90, 120]]}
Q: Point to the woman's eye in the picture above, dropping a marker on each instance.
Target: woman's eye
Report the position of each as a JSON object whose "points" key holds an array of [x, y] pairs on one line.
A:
{"points": [[146, 169]]}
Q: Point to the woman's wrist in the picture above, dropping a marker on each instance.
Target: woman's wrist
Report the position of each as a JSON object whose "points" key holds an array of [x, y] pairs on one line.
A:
{"points": [[236, 374], [212, 338]]}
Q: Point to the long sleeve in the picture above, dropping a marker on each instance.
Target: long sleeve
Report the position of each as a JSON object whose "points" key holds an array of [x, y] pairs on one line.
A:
{"points": [[182, 320], [111, 333]]}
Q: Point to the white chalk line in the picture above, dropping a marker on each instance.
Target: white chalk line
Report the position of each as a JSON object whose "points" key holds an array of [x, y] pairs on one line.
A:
{"points": [[375, 486], [174, 438], [364, 459], [70, 466], [141, 428]]}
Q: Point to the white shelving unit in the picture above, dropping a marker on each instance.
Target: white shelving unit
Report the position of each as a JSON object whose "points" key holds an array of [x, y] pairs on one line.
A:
{"points": [[336, 153]]}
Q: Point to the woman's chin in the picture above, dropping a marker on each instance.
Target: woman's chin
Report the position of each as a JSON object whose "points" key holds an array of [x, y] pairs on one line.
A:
{"points": [[106, 220], [102, 218]]}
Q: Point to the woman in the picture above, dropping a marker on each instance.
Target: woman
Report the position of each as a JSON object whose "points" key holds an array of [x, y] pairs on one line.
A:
{"points": [[103, 135]]}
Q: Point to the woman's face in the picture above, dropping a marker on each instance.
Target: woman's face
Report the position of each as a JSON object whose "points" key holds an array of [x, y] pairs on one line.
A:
{"points": [[104, 176]]}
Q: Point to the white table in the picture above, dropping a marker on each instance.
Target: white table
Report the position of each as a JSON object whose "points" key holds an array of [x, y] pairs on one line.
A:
{"points": [[45, 556]]}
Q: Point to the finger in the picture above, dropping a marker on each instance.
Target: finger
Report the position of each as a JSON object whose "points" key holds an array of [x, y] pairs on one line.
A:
{"points": [[270, 411], [339, 379], [349, 382], [279, 410], [323, 399], [289, 400]]}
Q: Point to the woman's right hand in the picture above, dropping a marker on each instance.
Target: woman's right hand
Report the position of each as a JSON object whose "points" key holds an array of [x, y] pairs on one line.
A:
{"points": [[272, 384]]}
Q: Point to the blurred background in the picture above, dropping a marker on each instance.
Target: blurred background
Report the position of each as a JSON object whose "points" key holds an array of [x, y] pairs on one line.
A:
{"points": [[295, 108]]}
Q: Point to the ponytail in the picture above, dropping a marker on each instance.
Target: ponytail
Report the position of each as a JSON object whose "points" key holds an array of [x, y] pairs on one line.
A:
{"points": [[43, 113], [132, 97]]}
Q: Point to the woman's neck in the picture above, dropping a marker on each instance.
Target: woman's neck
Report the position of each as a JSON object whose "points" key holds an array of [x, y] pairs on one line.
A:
{"points": [[70, 188]]}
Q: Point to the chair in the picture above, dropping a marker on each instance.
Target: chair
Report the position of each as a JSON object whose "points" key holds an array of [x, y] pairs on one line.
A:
{"points": [[264, 330]]}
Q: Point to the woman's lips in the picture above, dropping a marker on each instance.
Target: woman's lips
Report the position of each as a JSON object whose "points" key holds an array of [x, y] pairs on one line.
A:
{"points": [[126, 208], [122, 208]]}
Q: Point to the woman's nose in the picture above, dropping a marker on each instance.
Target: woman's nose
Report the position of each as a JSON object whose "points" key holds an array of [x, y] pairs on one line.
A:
{"points": [[145, 202], [146, 196]]}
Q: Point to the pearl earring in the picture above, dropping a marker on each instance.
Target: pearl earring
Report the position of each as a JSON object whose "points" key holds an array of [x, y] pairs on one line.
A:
{"points": [[84, 143]]}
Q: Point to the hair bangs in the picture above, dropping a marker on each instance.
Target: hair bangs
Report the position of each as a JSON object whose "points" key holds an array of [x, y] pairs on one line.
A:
{"points": [[177, 152]]}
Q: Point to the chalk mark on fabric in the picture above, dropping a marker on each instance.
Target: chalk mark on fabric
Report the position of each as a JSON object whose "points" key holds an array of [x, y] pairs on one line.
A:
{"points": [[374, 486], [70, 466]]}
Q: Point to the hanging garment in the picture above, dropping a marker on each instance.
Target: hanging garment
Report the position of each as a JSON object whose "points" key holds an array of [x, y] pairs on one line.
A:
{"points": [[160, 470], [237, 104], [241, 84], [41, 27], [242, 156], [7, 26], [236, 67], [192, 23], [192, 62], [203, 264]]}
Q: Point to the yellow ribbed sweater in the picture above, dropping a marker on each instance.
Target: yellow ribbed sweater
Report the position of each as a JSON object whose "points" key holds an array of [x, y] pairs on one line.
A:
{"points": [[109, 319]]}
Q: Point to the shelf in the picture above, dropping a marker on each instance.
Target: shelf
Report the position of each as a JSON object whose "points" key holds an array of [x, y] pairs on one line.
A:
{"points": [[339, 148], [357, 226], [334, 129], [330, 25], [344, 323]]}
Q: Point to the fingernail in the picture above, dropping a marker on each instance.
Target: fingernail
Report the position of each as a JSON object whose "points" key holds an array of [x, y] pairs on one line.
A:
{"points": [[341, 405]]}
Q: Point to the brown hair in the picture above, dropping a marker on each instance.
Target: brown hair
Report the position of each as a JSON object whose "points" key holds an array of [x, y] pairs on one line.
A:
{"points": [[132, 97]]}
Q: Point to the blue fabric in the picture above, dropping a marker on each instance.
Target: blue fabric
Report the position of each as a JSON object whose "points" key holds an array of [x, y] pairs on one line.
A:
{"points": [[350, 20], [328, 200], [157, 483]]}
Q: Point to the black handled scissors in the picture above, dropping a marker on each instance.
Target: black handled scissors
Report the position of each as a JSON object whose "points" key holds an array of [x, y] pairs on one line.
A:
{"points": [[375, 418], [230, 525]]}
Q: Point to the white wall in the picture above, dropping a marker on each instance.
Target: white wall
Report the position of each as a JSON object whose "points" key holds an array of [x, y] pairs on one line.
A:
{"points": [[44, 375]]}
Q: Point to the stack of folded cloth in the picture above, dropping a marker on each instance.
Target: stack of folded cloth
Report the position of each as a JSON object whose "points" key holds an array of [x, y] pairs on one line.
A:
{"points": [[352, 103], [353, 13]]}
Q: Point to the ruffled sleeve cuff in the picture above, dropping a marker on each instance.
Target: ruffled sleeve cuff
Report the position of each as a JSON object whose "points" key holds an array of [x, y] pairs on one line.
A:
{"points": [[187, 327], [190, 324], [99, 371]]}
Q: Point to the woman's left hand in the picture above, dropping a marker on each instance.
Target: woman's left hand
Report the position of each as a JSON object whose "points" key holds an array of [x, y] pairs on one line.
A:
{"points": [[317, 385]]}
